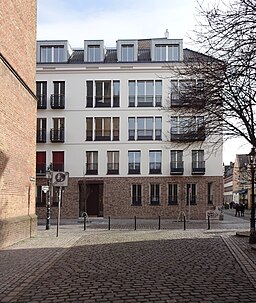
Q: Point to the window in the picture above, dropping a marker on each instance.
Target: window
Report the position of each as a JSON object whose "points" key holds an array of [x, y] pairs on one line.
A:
{"points": [[41, 93], [177, 162], [102, 129], [41, 163], [154, 194], [191, 194], [136, 194], [187, 128], [57, 132], [41, 130], [89, 129], [40, 197], [58, 98], [155, 162], [101, 92], [145, 93], [134, 162], [210, 193], [93, 54], [113, 162], [198, 163], [127, 52], [145, 128], [50, 54], [172, 194], [106, 129], [58, 160], [91, 162], [167, 52]]}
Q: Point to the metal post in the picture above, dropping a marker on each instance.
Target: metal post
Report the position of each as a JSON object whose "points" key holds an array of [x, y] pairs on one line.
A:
{"points": [[184, 217], [209, 226], [58, 218], [135, 223], [84, 221], [159, 222], [48, 205], [109, 223], [252, 238]]}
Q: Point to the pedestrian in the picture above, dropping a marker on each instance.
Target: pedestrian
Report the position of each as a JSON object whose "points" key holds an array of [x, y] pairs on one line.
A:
{"points": [[242, 207], [237, 208]]}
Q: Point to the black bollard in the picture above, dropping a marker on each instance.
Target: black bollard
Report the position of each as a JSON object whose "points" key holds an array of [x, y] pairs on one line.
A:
{"points": [[135, 223], [209, 226], [159, 222], [84, 222], [109, 223], [184, 217]]}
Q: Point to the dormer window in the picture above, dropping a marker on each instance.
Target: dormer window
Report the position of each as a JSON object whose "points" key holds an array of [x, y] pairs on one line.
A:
{"points": [[93, 54], [127, 52], [167, 52], [51, 53]]}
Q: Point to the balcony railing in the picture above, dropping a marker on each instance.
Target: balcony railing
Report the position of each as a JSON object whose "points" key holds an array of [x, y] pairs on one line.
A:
{"points": [[134, 168], [41, 135], [57, 101], [42, 101], [189, 136], [198, 167], [57, 135], [176, 168], [184, 100], [40, 169], [155, 168], [58, 166], [113, 169], [145, 134], [101, 135], [103, 102], [91, 168]]}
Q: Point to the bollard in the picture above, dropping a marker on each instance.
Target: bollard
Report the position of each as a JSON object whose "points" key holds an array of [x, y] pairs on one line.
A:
{"points": [[209, 226], [109, 223], [159, 222], [184, 217], [84, 222], [135, 223]]}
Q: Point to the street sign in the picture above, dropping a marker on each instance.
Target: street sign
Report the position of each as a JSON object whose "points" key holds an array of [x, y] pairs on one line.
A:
{"points": [[60, 178], [45, 188]]}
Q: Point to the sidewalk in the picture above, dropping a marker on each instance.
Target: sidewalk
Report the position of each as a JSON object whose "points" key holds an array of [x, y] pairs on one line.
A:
{"points": [[128, 266]]}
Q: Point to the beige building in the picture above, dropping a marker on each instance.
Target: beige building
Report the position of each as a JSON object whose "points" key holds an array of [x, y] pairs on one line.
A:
{"points": [[17, 120]]}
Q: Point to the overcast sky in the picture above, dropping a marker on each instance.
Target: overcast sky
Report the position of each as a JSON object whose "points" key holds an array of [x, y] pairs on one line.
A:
{"points": [[110, 20]]}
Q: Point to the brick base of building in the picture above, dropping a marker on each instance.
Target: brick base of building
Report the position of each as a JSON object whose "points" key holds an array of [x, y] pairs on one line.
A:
{"points": [[112, 197], [13, 230]]}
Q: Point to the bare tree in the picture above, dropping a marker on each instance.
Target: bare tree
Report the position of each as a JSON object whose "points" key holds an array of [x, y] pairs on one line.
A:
{"points": [[222, 86]]}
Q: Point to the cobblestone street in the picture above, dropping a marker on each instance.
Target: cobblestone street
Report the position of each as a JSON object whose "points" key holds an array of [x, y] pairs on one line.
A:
{"points": [[196, 265]]}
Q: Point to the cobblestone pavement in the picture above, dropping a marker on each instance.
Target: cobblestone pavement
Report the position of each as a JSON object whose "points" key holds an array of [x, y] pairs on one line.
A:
{"points": [[129, 266]]}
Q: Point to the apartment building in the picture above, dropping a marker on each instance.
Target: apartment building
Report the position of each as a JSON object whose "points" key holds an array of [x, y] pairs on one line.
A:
{"points": [[17, 121], [228, 183], [115, 119]]}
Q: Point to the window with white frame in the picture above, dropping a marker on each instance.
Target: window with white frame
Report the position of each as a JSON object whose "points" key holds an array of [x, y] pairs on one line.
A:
{"points": [[145, 93], [167, 52], [91, 162], [155, 194], [127, 52], [113, 162], [102, 129], [198, 162], [145, 128], [177, 162], [134, 160], [93, 53], [54, 53], [155, 161]]}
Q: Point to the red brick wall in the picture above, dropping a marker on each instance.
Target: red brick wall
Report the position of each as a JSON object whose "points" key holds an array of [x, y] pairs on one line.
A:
{"points": [[117, 197], [17, 121]]}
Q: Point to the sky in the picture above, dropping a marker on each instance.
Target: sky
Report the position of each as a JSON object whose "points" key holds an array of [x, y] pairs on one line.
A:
{"points": [[110, 20]]}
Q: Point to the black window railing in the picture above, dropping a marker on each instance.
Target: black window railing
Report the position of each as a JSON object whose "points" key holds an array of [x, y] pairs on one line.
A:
{"points": [[134, 168], [155, 167], [113, 168], [57, 101], [58, 166], [41, 101], [198, 167], [91, 168], [176, 168], [41, 135], [57, 135], [40, 169]]}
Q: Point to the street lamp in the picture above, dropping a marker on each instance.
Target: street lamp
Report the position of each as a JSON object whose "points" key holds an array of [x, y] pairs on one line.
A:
{"points": [[252, 162], [48, 205]]}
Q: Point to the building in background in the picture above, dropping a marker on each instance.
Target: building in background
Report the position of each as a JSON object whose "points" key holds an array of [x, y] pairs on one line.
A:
{"points": [[228, 183], [241, 180], [17, 121], [102, 117]]}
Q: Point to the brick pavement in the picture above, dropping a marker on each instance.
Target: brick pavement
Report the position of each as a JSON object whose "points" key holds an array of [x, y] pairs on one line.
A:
{"points": [[128, 266]]}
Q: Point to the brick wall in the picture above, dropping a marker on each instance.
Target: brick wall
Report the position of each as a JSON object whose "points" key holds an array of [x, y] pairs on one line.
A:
{"points": [[17, 121], [117, 197]]}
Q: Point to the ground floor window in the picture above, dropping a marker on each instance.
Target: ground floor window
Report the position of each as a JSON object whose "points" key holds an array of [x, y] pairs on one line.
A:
{"points": [[210, 193], [172, 194], [155, 194], [136, 194], [191, 194], [40, 197]]}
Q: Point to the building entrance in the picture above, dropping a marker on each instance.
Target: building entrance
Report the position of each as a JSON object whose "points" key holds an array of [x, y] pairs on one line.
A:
{"points": [[91, 199]]}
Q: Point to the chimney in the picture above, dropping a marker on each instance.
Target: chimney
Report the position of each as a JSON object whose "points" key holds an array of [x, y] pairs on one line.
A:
{"points": [[166, 34]]}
